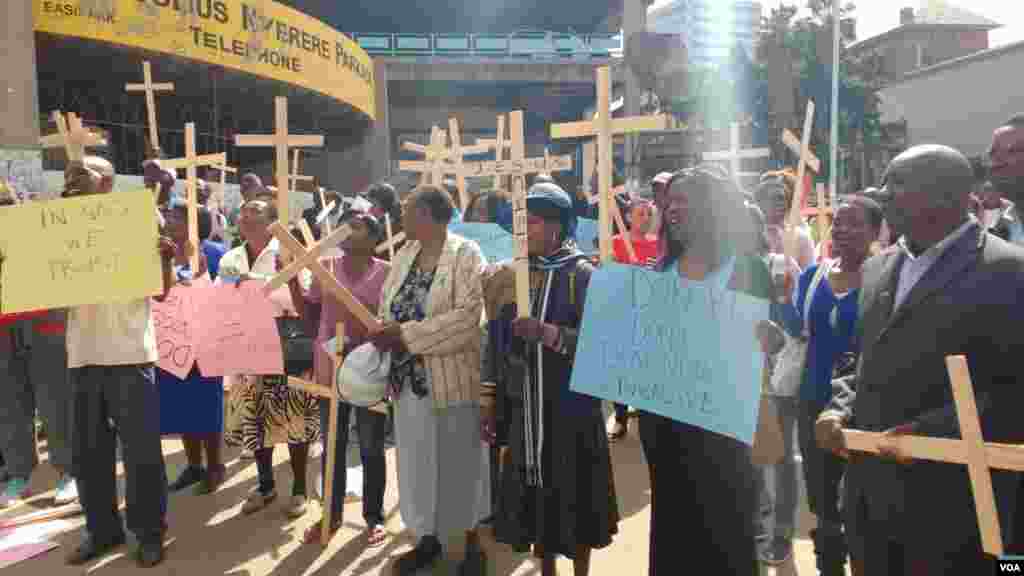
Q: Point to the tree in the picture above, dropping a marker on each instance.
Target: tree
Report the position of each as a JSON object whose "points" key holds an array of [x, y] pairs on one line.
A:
{"points": [[808, 41]]}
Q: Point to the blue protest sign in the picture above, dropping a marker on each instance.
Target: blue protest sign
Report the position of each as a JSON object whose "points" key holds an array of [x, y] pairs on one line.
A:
{"points": [[686, 351], [495, 243], [586, 235]]}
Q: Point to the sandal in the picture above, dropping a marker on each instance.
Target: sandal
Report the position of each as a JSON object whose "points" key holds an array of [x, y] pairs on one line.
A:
{"points": [[376, 536], [618, 431], [312, 534]]}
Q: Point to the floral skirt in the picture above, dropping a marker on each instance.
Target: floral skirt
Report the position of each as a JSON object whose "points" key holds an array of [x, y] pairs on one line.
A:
{"points": [[263, 411]]}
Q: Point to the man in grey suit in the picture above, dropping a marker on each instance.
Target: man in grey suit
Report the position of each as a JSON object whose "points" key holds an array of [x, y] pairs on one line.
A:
{"points": [[947, 287]]}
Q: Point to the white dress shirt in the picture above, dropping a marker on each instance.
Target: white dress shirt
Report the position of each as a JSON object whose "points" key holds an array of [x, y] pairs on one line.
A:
{"points": [[915, 267]]}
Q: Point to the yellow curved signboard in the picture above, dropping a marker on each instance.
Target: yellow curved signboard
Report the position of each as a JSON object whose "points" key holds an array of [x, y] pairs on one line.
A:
{"points": [[255, 36]]}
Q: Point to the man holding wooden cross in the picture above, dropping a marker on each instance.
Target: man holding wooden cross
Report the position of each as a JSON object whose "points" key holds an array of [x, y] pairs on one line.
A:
{"points": [[111, 353], [948, 289]]}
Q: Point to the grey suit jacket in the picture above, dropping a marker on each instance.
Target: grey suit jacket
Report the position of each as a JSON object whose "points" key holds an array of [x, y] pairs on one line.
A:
{"points": [[967, 303]]}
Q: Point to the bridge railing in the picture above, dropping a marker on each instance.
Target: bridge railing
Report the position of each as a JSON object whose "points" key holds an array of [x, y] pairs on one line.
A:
{"points": [[540, 45]]}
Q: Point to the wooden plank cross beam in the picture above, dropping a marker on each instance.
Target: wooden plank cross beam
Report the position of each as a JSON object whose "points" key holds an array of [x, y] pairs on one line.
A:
{"points": [[310, 258], [281, 141], [71, 136], [189, 163], [971, 450], [734, 155], [150, 89], [604, 127], [793, 220]]}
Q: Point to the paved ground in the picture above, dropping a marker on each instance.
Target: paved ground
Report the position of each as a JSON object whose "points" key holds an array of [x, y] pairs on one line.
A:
{"points": [[209, 536]]}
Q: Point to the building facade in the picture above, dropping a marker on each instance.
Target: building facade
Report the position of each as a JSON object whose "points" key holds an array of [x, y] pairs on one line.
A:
{"points": [[711, 28], [959, 102], [934, 33]]}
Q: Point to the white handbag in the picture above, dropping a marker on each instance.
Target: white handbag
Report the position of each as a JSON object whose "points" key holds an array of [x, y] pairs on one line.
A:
{"points": [[790, 362]]}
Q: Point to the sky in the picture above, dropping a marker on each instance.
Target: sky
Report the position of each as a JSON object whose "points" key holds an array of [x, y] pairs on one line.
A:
{"points": [[877, 16]]}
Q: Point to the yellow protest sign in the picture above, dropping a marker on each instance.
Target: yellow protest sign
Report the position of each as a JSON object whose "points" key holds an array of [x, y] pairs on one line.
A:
{"points": [[259, 37], [75, 251]]}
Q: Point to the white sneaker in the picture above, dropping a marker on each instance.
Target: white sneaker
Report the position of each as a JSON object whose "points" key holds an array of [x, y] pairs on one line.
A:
{"points": [[67, 491]]}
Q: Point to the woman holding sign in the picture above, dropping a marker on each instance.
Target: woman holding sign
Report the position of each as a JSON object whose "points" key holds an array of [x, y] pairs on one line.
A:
{"points": [[557, 488], [702, 483], [193, 406]]}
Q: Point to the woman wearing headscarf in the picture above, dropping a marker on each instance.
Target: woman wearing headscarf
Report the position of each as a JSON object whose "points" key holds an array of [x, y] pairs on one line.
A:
{"points": [[702, 483], [557, 487], [431, 304]]}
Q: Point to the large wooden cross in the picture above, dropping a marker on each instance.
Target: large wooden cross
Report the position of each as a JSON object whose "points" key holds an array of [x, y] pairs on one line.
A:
{"points": [[189, 163], [971, 450], [604, 127], [150, 89], [793, 220], [281, 141], [735, 156], [309, 258], [71, 136]]}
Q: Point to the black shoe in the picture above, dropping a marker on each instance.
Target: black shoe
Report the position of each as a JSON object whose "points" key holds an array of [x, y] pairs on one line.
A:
{"points": [[90, 549], [777, 552], [149, 553], [189, 476], [426, 552]]}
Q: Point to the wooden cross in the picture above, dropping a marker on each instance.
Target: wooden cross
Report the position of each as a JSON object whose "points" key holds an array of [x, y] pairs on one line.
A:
{"points": [[310, 258], [281, 141], [971, 449], [794, 219], [325, 212], [224, 169], [150, 89], [439, 160], [604, 127], [71, 136], [294, 178], [735, 155], [189, 163]]}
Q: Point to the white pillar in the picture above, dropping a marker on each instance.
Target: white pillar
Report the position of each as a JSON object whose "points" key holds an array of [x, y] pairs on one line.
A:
{"points": [[634, 19]]}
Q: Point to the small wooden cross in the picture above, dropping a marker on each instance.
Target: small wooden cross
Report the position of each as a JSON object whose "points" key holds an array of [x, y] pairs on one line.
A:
{"points": [[734, 155], [439, 160], [189, 163], [71, 136], [310, 258], [794, 219], [604, 127], [281, 141], [150, 89], [224, 169], [971, 450]]}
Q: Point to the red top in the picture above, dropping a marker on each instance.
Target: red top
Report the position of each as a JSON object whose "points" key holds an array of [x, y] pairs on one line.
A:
{"points": [[42, 328], [646, 250]]}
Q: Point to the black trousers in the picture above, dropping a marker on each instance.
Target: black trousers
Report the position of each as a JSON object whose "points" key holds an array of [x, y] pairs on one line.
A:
{"points": [[372, 428], [111, 402], [823, 471], [702, 500]]}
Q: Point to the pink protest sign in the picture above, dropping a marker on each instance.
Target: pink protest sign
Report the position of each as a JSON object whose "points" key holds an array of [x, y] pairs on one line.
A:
{"points": [[176, 335], [239, 334]]}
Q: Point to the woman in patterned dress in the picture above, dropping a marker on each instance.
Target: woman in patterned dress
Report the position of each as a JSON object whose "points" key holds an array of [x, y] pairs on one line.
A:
{"points": [[431, 304], [264, 411]]}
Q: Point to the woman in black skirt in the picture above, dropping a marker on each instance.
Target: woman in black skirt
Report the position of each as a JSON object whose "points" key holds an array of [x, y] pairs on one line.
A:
{"points": [[556, 491], [702, 483]]}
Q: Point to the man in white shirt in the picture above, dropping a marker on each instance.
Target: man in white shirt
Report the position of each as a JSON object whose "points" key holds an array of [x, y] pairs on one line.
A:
{"points": [[112, 353]]}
